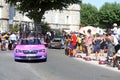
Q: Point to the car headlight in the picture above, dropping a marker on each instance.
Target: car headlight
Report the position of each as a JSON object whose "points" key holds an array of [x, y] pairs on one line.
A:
{"points": [[18, 51], [42, 50]]}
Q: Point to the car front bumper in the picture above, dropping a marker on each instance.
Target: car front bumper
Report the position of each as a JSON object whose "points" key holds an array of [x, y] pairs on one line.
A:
{"points": [[42, 57]]}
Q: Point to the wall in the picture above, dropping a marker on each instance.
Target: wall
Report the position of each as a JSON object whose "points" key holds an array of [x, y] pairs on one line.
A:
{"points": [[66, 19]]}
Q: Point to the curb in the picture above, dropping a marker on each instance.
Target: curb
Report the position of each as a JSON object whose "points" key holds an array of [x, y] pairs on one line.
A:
{"points": [[96, 63]]}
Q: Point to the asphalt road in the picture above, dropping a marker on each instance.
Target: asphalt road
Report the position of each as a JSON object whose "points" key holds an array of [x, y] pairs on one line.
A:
{"points": [[58, 67]]}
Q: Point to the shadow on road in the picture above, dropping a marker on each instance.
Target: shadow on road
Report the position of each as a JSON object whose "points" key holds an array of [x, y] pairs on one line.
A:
{"points": [[31, 61]]}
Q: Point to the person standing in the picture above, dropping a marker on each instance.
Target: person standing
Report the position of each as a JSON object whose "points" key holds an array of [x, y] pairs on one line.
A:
{"points": [[111, 47], [67, 43], [79, 41], [13, 39], [88, 42], [74, 43], [103, 45], [97, 42], [6, 39], [114, 30]]}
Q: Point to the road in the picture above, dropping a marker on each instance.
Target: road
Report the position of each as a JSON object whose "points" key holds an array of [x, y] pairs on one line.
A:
{"points": [[58, 67]]}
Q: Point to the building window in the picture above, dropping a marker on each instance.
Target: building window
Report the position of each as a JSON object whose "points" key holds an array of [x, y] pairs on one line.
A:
{"points": [[67, 20]]}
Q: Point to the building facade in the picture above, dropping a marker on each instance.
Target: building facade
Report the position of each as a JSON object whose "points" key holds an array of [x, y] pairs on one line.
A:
{"points": [[4, 15], [10, 17], [67, 19]]}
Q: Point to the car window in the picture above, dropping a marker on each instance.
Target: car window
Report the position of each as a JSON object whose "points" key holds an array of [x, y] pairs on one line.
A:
{"points": [[57, 39], [23, 42], [30, 42]]}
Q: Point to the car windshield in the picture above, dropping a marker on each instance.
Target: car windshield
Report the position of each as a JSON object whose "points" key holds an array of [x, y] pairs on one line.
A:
{"points": [[56, 39], [30, 42]]}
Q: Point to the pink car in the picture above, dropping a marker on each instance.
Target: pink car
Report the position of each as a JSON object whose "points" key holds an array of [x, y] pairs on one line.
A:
{"points": [[31, 49]]}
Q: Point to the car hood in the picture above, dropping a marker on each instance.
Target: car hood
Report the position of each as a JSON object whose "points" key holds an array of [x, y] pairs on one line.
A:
{"points": [[30, 47]]}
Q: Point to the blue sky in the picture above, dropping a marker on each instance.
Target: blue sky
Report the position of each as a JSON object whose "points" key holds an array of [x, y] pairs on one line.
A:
{"points": [[99, 3]]}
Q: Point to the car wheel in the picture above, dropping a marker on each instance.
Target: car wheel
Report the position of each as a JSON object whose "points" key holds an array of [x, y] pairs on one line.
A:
{"points": [[49, 46], [44, 60], [62, 47], [16, 60]]}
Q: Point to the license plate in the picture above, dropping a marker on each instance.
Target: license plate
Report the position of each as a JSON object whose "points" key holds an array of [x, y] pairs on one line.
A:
{"points": [[52, 45], [30, 55]]}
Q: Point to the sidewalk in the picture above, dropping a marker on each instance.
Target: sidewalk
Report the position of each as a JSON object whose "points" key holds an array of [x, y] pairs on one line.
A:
{"points": [[92, 56], [96, 63]]}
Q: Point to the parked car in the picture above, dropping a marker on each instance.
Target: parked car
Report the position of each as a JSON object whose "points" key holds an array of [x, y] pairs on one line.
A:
{"points": [[31, 49], [57, 42]]}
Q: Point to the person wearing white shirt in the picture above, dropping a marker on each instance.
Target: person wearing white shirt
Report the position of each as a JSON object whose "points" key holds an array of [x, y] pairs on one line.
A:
{"points": [[114, 29], [13, 39]]}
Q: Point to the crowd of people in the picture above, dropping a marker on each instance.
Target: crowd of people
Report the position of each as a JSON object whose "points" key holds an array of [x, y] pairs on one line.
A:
{"points": [[7, 41], [99, 44], [107, 43]]}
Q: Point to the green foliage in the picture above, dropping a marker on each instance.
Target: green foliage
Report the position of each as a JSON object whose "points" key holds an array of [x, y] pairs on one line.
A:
{"points": [[15, 28], [35, 9], [89, 15], [109, 13], [45, 27]]}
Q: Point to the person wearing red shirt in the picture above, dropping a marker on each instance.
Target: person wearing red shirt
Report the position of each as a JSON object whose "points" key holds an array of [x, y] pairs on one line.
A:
{"points": [[74, 43]]}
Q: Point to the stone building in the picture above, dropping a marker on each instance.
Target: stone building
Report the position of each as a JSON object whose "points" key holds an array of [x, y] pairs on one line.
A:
{"points": [[67, 19], [5, 17]]}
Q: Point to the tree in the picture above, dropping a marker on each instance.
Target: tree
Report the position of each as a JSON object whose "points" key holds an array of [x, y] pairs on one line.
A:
{"points": [[45, 27], [35, 9], [109, 13], [15, 28], [89, 15]]}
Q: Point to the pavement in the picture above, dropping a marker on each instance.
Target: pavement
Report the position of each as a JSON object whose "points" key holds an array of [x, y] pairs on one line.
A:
{"points": [[94, 62]]}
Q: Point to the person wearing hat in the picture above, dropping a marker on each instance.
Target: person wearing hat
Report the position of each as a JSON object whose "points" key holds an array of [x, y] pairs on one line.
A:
{"points": [[114, 28], [114, 33]]}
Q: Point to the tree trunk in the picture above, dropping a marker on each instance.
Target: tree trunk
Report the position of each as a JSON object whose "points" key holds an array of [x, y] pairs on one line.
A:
{"points": [[37, 22]]}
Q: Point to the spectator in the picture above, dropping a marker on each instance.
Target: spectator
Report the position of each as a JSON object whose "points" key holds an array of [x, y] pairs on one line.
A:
{"points": [[88, 42], [6, 38], [79, 41], [68, 46], [97, 42], [114, 30], [103, 45], [74, 43], [67, 40], [13, 39], [111, 49]]}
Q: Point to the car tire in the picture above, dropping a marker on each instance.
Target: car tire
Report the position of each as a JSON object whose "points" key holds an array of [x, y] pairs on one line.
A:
{"points": [[62, 47], [48, 46], [44, 60], [16, 60]]}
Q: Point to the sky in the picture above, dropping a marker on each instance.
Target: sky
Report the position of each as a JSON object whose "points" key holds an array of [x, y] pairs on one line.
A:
{"points": [[99, 3]]}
